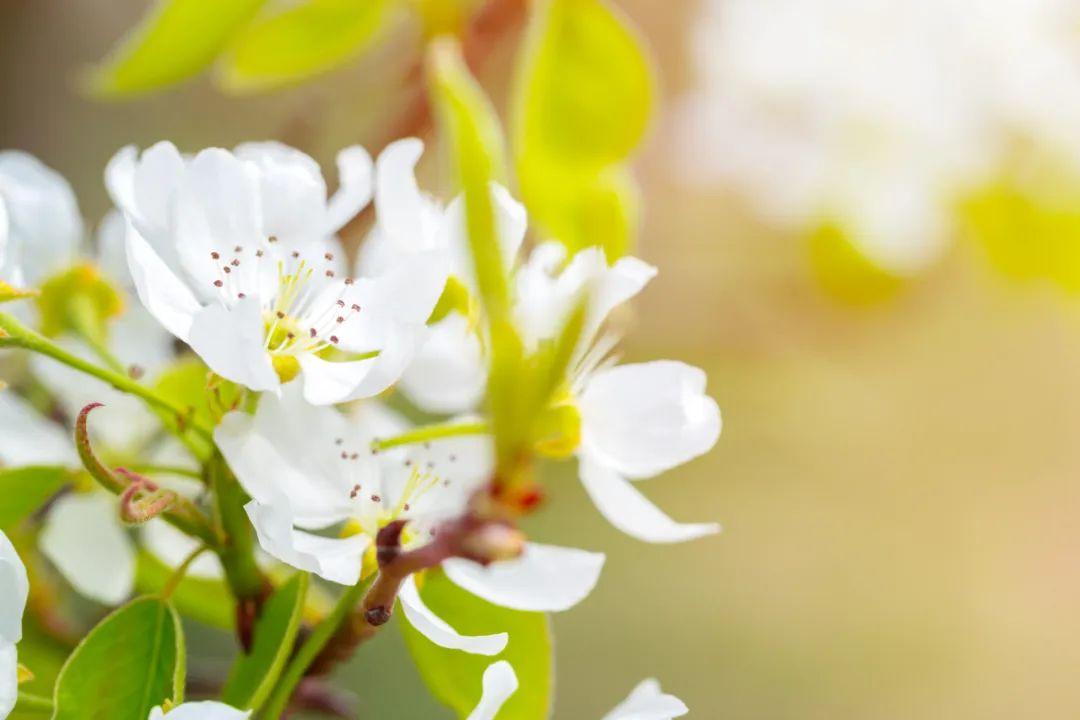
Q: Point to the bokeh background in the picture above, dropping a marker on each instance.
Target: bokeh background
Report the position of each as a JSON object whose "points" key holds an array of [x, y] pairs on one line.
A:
{"points": [[896, 478]]}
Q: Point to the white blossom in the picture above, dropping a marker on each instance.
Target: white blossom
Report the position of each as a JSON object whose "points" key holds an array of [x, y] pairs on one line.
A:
{"points": [[14, 588], [206, 710]]}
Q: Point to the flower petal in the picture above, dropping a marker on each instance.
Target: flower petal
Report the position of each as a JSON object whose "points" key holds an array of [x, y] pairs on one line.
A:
{"points": [[500, 683], [398, 201], [14, 587], [448, 374], [28, 438], [83, 538], [9, 678], [546, 578], [329, 383], [161, 291], [230, 342], [173, 547], [647, 702], [335, 559], [630, 511], [645, 418], [437, 631], [205, 710], [355, 182]]}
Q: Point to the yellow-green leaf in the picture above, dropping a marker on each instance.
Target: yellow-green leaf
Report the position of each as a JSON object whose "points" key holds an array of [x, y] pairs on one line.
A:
{"points": [[301, 41], [585, 94], [454, 677], [25, 489], [177, 40], [131, 662], [255, 674]]}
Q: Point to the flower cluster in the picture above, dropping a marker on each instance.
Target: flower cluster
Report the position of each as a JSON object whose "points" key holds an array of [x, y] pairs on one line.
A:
{"points": [[308, 366]]}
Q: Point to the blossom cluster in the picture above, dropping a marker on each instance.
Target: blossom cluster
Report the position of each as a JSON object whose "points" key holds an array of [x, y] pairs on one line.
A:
{"points": [[314, 363]]}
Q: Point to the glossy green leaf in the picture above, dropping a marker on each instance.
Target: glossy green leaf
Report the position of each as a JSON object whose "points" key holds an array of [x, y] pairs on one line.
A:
{"points": [[130, 663], [454, 677], [26, 489], [301, 41], [177, 40], [585, 93], [206, 600], [255, 674]]}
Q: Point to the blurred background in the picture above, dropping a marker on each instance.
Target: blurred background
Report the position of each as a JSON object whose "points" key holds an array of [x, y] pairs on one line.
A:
{"points": [[897, 472]]}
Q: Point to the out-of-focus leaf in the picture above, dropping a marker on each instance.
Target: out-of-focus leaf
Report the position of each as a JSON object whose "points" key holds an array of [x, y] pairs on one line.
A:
{"points": [[185, 382], [255, 674], [445, 17], [130, 663], [23, 490], [1028, 237], [583, 102], [454, 677], [206, 600], [301, 41], [845, 273], [177, 40], [79, 300]]}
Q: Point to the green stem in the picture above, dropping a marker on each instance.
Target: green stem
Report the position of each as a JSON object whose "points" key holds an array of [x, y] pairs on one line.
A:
{"points": [[151, 469], [238, 555], [15, 334], [309, 651], [431, 432], [28, 701], [180, 572]]}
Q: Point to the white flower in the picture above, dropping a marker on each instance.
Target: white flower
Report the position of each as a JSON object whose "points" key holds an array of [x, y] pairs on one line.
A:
{"points": [[235, 254], [879, 114], [206, 710], [310, 468], [40, 225], [645, 702], [14, 588]]}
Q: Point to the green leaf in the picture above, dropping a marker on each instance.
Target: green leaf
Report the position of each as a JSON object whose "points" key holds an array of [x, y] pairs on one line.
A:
{"points": [[454, 677], [255, 674], [176, 41], [300, 42], [206, 600], [186, 384], [585, 93], [130, 663], [26, 489]]}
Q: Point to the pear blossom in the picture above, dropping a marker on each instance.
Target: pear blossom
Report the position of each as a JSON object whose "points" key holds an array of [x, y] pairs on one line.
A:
{"points": [[878, 115], [40, 224], [310, 468], [236, 254], [14, 588], [645, 702], [206, 710]]}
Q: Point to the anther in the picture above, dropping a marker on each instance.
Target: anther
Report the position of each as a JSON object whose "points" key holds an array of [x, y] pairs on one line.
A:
{"points": [[218, 283], [355, 308], [280, 315], [295, 254], [238, 249], [241, 295], [341, 303], [215, 255], [313, 333], [329, 256], [272, 238], [235, 263], [329, 273], [227, 269], [340, 319], [339, 441], [334, 339], [259, 253], [349, 281], [376, 498]]}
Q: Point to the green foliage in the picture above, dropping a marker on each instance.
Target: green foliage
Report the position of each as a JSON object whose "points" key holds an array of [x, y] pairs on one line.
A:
{"points": [[845, 273], [583, 103], [454, 677], [178, 40], [1027, 236], [205, 600], [301, 41], [130, 663], [25, 489], [187, 384], [255, 674]]}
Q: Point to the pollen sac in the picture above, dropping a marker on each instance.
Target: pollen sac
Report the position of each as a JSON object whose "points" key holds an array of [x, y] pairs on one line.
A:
{"points": [[558, 431]]}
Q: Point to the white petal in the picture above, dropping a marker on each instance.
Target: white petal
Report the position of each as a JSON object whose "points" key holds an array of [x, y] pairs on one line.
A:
{"points": [[398, 202], [161, 291], [292, 191], [120, 178], [355, 187], [9, 678], [28, 438], [205, 710], [155, 180], [647, 702], [288, 449], [173, 547], [645, 418], [335, 559], [546, 578], [448, 374], [230, 342], [437, 631], [44, 224], [111, 239], [630, 511], [328, 383], [84, 539], [500, 683], [511, 223], [14, 587]]}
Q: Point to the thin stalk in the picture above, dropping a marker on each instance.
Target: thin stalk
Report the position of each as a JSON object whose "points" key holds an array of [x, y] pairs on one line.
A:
{"points": [[28, 701], [180, 572], [309, 651], [15, 334], [431, 432], [151, 469]]}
